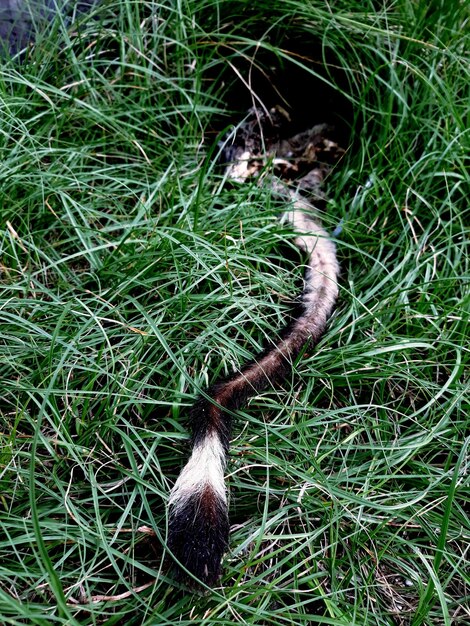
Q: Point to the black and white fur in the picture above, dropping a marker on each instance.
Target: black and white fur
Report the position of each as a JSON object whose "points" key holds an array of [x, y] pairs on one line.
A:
{"points": [[198, 518]]}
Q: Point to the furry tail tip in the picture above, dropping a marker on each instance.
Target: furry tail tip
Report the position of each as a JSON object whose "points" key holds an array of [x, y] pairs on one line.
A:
{"points": [[198, 515], [198, 536]]}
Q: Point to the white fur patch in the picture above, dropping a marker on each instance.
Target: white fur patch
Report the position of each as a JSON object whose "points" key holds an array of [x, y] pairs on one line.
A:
{"points": [[204, 468]]}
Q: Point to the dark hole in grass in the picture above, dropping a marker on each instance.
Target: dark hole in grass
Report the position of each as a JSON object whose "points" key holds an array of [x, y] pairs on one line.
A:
{"points": [[308, 83]]}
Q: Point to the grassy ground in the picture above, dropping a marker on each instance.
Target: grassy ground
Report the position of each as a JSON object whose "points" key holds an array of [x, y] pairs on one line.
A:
{"points": [[130, 277]]}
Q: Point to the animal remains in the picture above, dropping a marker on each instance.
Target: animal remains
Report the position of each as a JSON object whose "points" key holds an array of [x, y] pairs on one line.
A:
{"points": [[198, 512]]}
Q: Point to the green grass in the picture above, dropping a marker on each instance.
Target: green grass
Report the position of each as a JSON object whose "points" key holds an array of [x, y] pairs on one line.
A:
{"points": [[131, 277]]}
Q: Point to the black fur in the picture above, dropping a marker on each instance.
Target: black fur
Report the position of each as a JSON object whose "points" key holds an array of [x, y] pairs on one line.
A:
{"points": [[205, 417], [198, 537]]}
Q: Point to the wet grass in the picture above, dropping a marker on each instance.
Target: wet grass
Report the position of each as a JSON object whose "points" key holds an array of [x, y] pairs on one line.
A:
{"points": [[131, 276]]}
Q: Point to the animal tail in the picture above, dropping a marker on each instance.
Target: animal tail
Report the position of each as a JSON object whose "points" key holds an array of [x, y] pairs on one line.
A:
{"points": [[198, 512]]}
